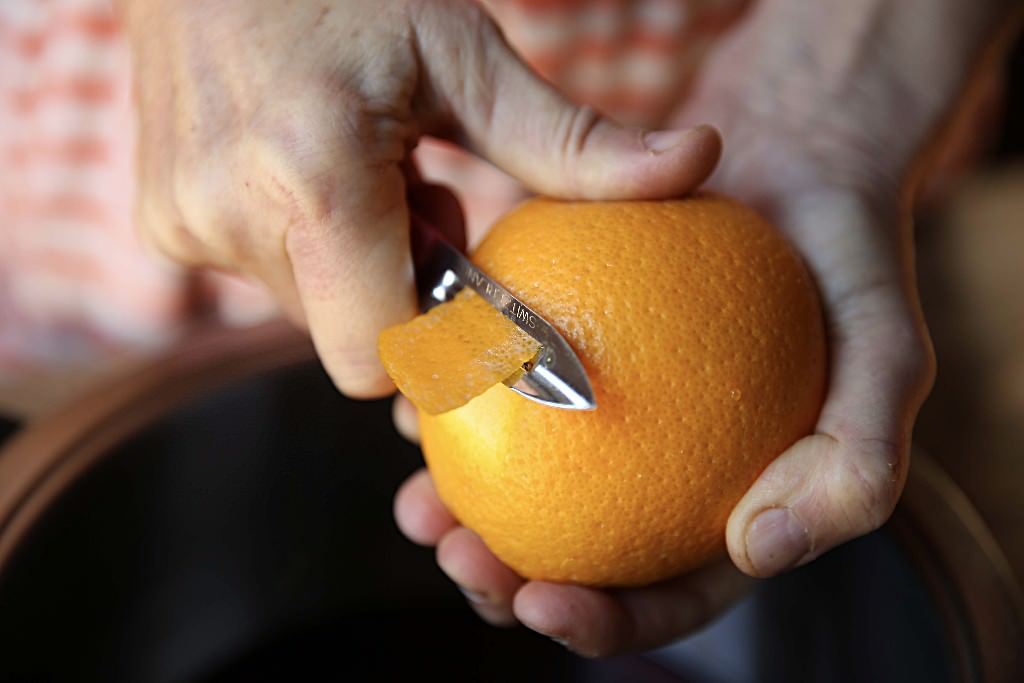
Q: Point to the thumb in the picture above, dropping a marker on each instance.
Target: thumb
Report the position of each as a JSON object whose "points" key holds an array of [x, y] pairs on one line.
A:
{"points": [[844, 480], [508, 115]]}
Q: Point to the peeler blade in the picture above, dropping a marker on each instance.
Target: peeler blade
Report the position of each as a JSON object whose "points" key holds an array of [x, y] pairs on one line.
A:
{"points": [[556, 376]]}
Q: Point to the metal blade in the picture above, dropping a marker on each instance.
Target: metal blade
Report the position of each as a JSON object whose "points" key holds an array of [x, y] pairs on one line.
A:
{"points": [[556, 377]]}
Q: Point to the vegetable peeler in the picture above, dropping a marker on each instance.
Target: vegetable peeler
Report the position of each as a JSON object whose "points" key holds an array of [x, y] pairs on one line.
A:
{"points": [[555, 377]]}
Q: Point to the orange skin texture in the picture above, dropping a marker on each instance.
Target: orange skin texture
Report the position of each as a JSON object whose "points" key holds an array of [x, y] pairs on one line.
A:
{"points": [[702, 334]]}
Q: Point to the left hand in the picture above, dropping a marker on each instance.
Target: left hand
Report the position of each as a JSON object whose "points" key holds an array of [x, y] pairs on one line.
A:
{"points": [[824, 107]]}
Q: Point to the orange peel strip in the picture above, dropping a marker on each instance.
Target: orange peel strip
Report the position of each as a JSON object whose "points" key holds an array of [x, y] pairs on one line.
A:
{"points": [[442, 359]]}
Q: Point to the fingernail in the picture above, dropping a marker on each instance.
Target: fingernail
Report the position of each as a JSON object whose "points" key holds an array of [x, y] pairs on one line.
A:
{"points": [[776, 541], [474, 597], [555, 638], [659, 141], [561, 641]]}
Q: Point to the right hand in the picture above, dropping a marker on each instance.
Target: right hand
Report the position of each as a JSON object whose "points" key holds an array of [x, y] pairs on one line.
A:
{"points": [[275, 141], [827, 108]]}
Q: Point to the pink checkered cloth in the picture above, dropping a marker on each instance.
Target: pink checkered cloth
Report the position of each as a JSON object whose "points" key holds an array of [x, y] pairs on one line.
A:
{"points": [[76, 285]]}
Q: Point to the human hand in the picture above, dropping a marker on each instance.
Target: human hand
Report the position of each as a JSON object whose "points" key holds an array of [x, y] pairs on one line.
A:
{"points": [[274, 141], [823, 117]]}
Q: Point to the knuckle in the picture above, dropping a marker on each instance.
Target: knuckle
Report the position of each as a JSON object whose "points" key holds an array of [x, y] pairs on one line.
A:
{"points": [[294, 156], [907, 355], [920, 361], [575, 126], [211, 219], [311, 165], [902, 350], [197, 201], [176, 242], [870, 483], [162, 229]]}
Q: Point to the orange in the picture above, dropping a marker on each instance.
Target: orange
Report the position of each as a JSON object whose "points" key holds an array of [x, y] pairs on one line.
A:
{"points": [[701, 332]]}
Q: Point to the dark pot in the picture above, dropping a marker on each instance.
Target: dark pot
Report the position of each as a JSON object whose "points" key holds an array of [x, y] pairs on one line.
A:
{"points": [[224, 514]]}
